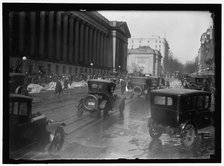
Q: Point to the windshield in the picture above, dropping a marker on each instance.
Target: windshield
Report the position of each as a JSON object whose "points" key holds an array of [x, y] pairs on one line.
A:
{"points": [[164, 101]]}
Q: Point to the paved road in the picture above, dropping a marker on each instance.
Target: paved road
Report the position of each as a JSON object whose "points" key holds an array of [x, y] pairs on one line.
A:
{"points": [[117, 136]]}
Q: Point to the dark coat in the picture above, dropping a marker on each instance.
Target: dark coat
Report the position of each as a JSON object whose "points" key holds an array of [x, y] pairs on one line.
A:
{"points": [[58, 88]]}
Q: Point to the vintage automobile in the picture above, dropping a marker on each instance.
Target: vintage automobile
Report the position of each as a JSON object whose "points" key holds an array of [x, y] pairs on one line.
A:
{"points": [[27, 129], [100, 97], [142, 85], [17, 83], [179, 112]]}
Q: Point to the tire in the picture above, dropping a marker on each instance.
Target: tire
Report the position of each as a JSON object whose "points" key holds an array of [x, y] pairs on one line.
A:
{"points": [[122, 106], [154, 133], [188, 136], [57, 142]]}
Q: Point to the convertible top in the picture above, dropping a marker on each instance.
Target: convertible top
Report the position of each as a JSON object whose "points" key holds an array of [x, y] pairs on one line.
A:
{"points": [[176, 91]]}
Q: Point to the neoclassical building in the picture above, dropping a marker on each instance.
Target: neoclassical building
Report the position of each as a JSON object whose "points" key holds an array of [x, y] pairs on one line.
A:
{"points": [[144, 59], [66, 42]]}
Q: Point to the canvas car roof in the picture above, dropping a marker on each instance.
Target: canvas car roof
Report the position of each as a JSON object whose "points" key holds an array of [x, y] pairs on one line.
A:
{"points": [[177, 91], [20, 96]]}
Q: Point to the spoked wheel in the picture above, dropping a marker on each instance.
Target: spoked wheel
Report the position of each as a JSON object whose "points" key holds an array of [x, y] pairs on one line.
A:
{"points": [[57, 142], [188, 135], [154, 133]]}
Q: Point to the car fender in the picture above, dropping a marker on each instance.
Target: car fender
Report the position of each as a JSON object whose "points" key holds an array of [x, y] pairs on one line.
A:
{"points": [[17, 89], [183, 125], [103, 104], [52, 127]]}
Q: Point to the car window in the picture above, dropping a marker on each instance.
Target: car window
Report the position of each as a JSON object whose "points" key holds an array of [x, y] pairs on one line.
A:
{"points": [[169, 101], [160, 100], [19, 108], [189, 102], [200, 101], [94, 86], [11, 108], [207, 101], [23, 109]]}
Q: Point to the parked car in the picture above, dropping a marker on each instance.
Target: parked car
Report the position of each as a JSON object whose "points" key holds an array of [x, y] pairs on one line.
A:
{"points": [[179, 112], [26, 128], [100, 97], [17, 83]]}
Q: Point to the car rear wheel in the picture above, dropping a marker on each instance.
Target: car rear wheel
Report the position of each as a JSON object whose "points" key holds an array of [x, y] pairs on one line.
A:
{"points": [[188, 135], [57, 142], [154, 133]]}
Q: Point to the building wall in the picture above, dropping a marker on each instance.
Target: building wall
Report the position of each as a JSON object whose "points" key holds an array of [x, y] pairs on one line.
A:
{"points": [[155, 42], [63, 39], [149, 63]]}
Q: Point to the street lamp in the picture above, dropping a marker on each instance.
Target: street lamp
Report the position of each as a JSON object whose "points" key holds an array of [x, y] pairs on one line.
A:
{"points": [[91, 64], [24, 63]]}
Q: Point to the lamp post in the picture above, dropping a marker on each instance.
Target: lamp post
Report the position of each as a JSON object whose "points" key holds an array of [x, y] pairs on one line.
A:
{"points": [[24, 64], [91, 64], [119, 67]]}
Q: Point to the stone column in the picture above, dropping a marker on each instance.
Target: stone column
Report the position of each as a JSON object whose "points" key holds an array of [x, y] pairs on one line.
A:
{"points": [[94, 46], [86, 45], [113, 49], [101, 49], [58, 37], [21, 31], [42, 33], [97, 47], [33, 33], [65, 38], [71, 36], [90, 55], [76, 42], [50, 35], [81, 40]]}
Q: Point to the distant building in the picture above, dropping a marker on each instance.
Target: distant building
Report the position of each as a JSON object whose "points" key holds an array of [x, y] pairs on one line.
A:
{"points": [[155, 42], [66, 42], [206, 51], [145, 60]]}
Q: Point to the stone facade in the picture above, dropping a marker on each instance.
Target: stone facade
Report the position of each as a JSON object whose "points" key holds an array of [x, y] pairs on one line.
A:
{"points": [[66, 42], [144, 59]]}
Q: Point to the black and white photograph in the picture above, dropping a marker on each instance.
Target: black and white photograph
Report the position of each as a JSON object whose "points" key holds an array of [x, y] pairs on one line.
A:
{"points": [[111, 82]]}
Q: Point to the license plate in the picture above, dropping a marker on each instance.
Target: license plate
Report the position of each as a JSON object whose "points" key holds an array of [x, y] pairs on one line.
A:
{"points": [[91, 103]]}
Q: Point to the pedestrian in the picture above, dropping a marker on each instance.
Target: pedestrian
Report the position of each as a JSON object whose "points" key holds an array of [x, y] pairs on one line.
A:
{"points": [[58, 88], [123, 85], [167, 83], [182, 83], [65, 84]]}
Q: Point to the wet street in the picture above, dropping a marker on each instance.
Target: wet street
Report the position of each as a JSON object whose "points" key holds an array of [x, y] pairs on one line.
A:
{"points": [[116, 136]]}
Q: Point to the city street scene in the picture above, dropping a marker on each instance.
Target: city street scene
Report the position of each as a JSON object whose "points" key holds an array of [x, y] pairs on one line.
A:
{"points": [[108, 85]]}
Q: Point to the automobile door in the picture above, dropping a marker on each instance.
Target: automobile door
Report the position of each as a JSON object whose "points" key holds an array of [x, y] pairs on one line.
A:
{"points": [[24, 131], [187, 112], [203, 113]]}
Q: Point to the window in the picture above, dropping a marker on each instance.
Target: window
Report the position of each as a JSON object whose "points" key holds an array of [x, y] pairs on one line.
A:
{"points": [[49, 68], [189, 102], [57, 69], [70, 70], [169, 101], [207, 101], [160, 100], [63, 70], [200, 101], [17, 108]]}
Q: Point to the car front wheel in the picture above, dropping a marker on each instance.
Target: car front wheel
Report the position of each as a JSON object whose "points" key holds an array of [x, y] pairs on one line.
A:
{"points": [[57, 141], [188, 135]]}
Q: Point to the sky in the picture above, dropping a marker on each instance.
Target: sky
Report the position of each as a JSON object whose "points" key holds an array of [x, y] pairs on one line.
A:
{"points": [[182, 29]]}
